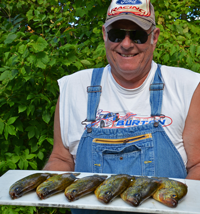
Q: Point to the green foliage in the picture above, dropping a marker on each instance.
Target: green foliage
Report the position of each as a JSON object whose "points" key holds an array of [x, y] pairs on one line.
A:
{"points": [[41, 41], [32, 210], [179, 41], [17, 210]]}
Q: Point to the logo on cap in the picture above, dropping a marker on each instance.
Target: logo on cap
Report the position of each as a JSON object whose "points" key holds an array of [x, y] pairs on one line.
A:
{"points": [[128, 2], [137, 7]]}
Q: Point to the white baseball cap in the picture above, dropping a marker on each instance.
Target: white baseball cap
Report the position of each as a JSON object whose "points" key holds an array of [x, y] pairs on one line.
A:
{"points": [[140, 12]]}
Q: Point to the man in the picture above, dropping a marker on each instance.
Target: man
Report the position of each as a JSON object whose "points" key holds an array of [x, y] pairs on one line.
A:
{"points": [[141, 118]]}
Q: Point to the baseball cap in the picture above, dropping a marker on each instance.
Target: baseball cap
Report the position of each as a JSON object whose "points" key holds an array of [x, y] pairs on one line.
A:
{"points": [[140, 12]]}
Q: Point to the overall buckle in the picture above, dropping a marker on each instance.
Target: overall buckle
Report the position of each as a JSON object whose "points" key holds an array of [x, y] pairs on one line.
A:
{"points": [[157, 119], [87, 125]]}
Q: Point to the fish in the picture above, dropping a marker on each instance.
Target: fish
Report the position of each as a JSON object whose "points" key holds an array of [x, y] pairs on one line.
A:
{"points": [[27, 184], [170, 192], [140, 189], [55, 184], [83, 186], [112, 187]]}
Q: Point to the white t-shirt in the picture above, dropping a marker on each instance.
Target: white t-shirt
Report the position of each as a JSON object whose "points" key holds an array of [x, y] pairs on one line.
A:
{"points": [[132, 106]]}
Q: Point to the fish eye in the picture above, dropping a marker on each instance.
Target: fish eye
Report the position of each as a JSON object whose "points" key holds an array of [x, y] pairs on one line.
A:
{"points": [[174, 196], [18, 189], [74, 191], [108, 193], [137, 195]]}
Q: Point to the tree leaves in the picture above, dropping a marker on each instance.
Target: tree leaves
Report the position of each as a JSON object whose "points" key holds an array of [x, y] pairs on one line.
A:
{"points": [[10, 38], [198, 50], [1, 127], [11, 120], [177, 44], [41, 42], [21, 108], [86, 62], [46, 117], [39, 45], [5, 75]]}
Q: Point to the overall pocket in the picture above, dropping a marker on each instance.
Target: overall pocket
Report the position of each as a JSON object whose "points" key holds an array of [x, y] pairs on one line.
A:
{"points": [[132, 155]]}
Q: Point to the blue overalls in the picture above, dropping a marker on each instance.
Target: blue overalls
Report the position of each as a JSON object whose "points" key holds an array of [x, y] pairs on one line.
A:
{"points": [[139, 150]]}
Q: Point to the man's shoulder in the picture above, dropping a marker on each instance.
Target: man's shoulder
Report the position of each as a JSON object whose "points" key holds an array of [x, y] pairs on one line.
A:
{"points": [[78, 79], [172, 69], [79, 75], [178, 71], [181, 76]]}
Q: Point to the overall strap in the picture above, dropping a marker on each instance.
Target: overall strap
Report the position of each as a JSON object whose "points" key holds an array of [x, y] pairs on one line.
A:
{"points": [[156, 93], [94, 92]]}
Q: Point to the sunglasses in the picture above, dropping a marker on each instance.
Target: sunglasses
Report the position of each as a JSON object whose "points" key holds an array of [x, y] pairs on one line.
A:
{"points": [[137, 36]]}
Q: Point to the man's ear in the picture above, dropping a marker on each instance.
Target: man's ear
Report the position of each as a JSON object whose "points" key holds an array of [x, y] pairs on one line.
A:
{"points": [[104, 33], [156, 35]]}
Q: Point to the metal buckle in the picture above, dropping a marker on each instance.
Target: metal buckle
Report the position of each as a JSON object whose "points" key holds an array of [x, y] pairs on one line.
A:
{"points": [[163, 85], [94, 87], [156, 123], [89, 129]]}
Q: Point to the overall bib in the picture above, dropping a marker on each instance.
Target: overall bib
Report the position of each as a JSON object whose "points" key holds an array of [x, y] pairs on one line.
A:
{"points": [[141, 150]]}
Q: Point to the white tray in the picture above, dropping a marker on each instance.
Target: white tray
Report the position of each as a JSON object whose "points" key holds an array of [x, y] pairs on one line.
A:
{"points": [[189, 205]]}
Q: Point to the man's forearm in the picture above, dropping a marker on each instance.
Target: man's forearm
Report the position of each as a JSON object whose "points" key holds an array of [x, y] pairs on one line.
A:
{"points": [[194, 173]]}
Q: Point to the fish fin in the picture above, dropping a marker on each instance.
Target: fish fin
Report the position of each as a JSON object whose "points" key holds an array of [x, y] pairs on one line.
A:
{"points": [[104, 176], [76, 174], [51, 175], [73, 176]]}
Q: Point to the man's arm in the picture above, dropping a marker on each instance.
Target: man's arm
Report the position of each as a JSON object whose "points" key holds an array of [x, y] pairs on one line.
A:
{"points": [[191, 137], [60, 158]]}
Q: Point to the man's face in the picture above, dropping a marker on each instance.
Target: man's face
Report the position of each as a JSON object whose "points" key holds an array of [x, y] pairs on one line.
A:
{"points": [[130, 62]]}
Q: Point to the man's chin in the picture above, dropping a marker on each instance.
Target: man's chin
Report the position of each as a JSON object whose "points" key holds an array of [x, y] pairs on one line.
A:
{"points": [[127, 70]]}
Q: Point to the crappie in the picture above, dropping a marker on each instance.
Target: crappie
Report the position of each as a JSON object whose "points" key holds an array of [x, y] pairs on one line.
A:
{"points": [[83, 186], [55, 184], [139, 190], [112, 187], [27, 184], [170, 192]]}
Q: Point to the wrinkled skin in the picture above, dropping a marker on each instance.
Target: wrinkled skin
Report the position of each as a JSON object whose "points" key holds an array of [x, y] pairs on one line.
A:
{"points": [[112, 187], [83, 186], [139, 190], [170, 192], [26, 184], [55, 184]]}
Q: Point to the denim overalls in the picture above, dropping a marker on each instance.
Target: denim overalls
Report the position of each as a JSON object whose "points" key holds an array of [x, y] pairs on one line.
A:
{"points": [[140, 150]]}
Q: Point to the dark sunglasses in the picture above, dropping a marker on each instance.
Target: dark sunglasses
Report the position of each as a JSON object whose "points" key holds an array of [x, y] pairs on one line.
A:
{"points": [[137, 36]]}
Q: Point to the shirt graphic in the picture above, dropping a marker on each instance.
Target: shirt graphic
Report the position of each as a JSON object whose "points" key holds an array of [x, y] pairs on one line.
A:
{"points": [[106, 119]]}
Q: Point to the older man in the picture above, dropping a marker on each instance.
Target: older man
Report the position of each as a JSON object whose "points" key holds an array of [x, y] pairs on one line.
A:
{"points": [[133, 116]]}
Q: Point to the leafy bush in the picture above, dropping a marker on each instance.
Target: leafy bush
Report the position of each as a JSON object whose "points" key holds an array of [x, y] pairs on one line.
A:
{"points": [[43, 40], [32, 210], [179, 23]]}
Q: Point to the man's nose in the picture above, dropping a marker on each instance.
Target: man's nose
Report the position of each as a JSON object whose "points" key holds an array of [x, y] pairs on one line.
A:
{"points": [[127, 42]]}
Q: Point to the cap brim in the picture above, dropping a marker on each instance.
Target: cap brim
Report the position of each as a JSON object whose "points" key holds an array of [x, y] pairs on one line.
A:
{"points": [[144, 24]]}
